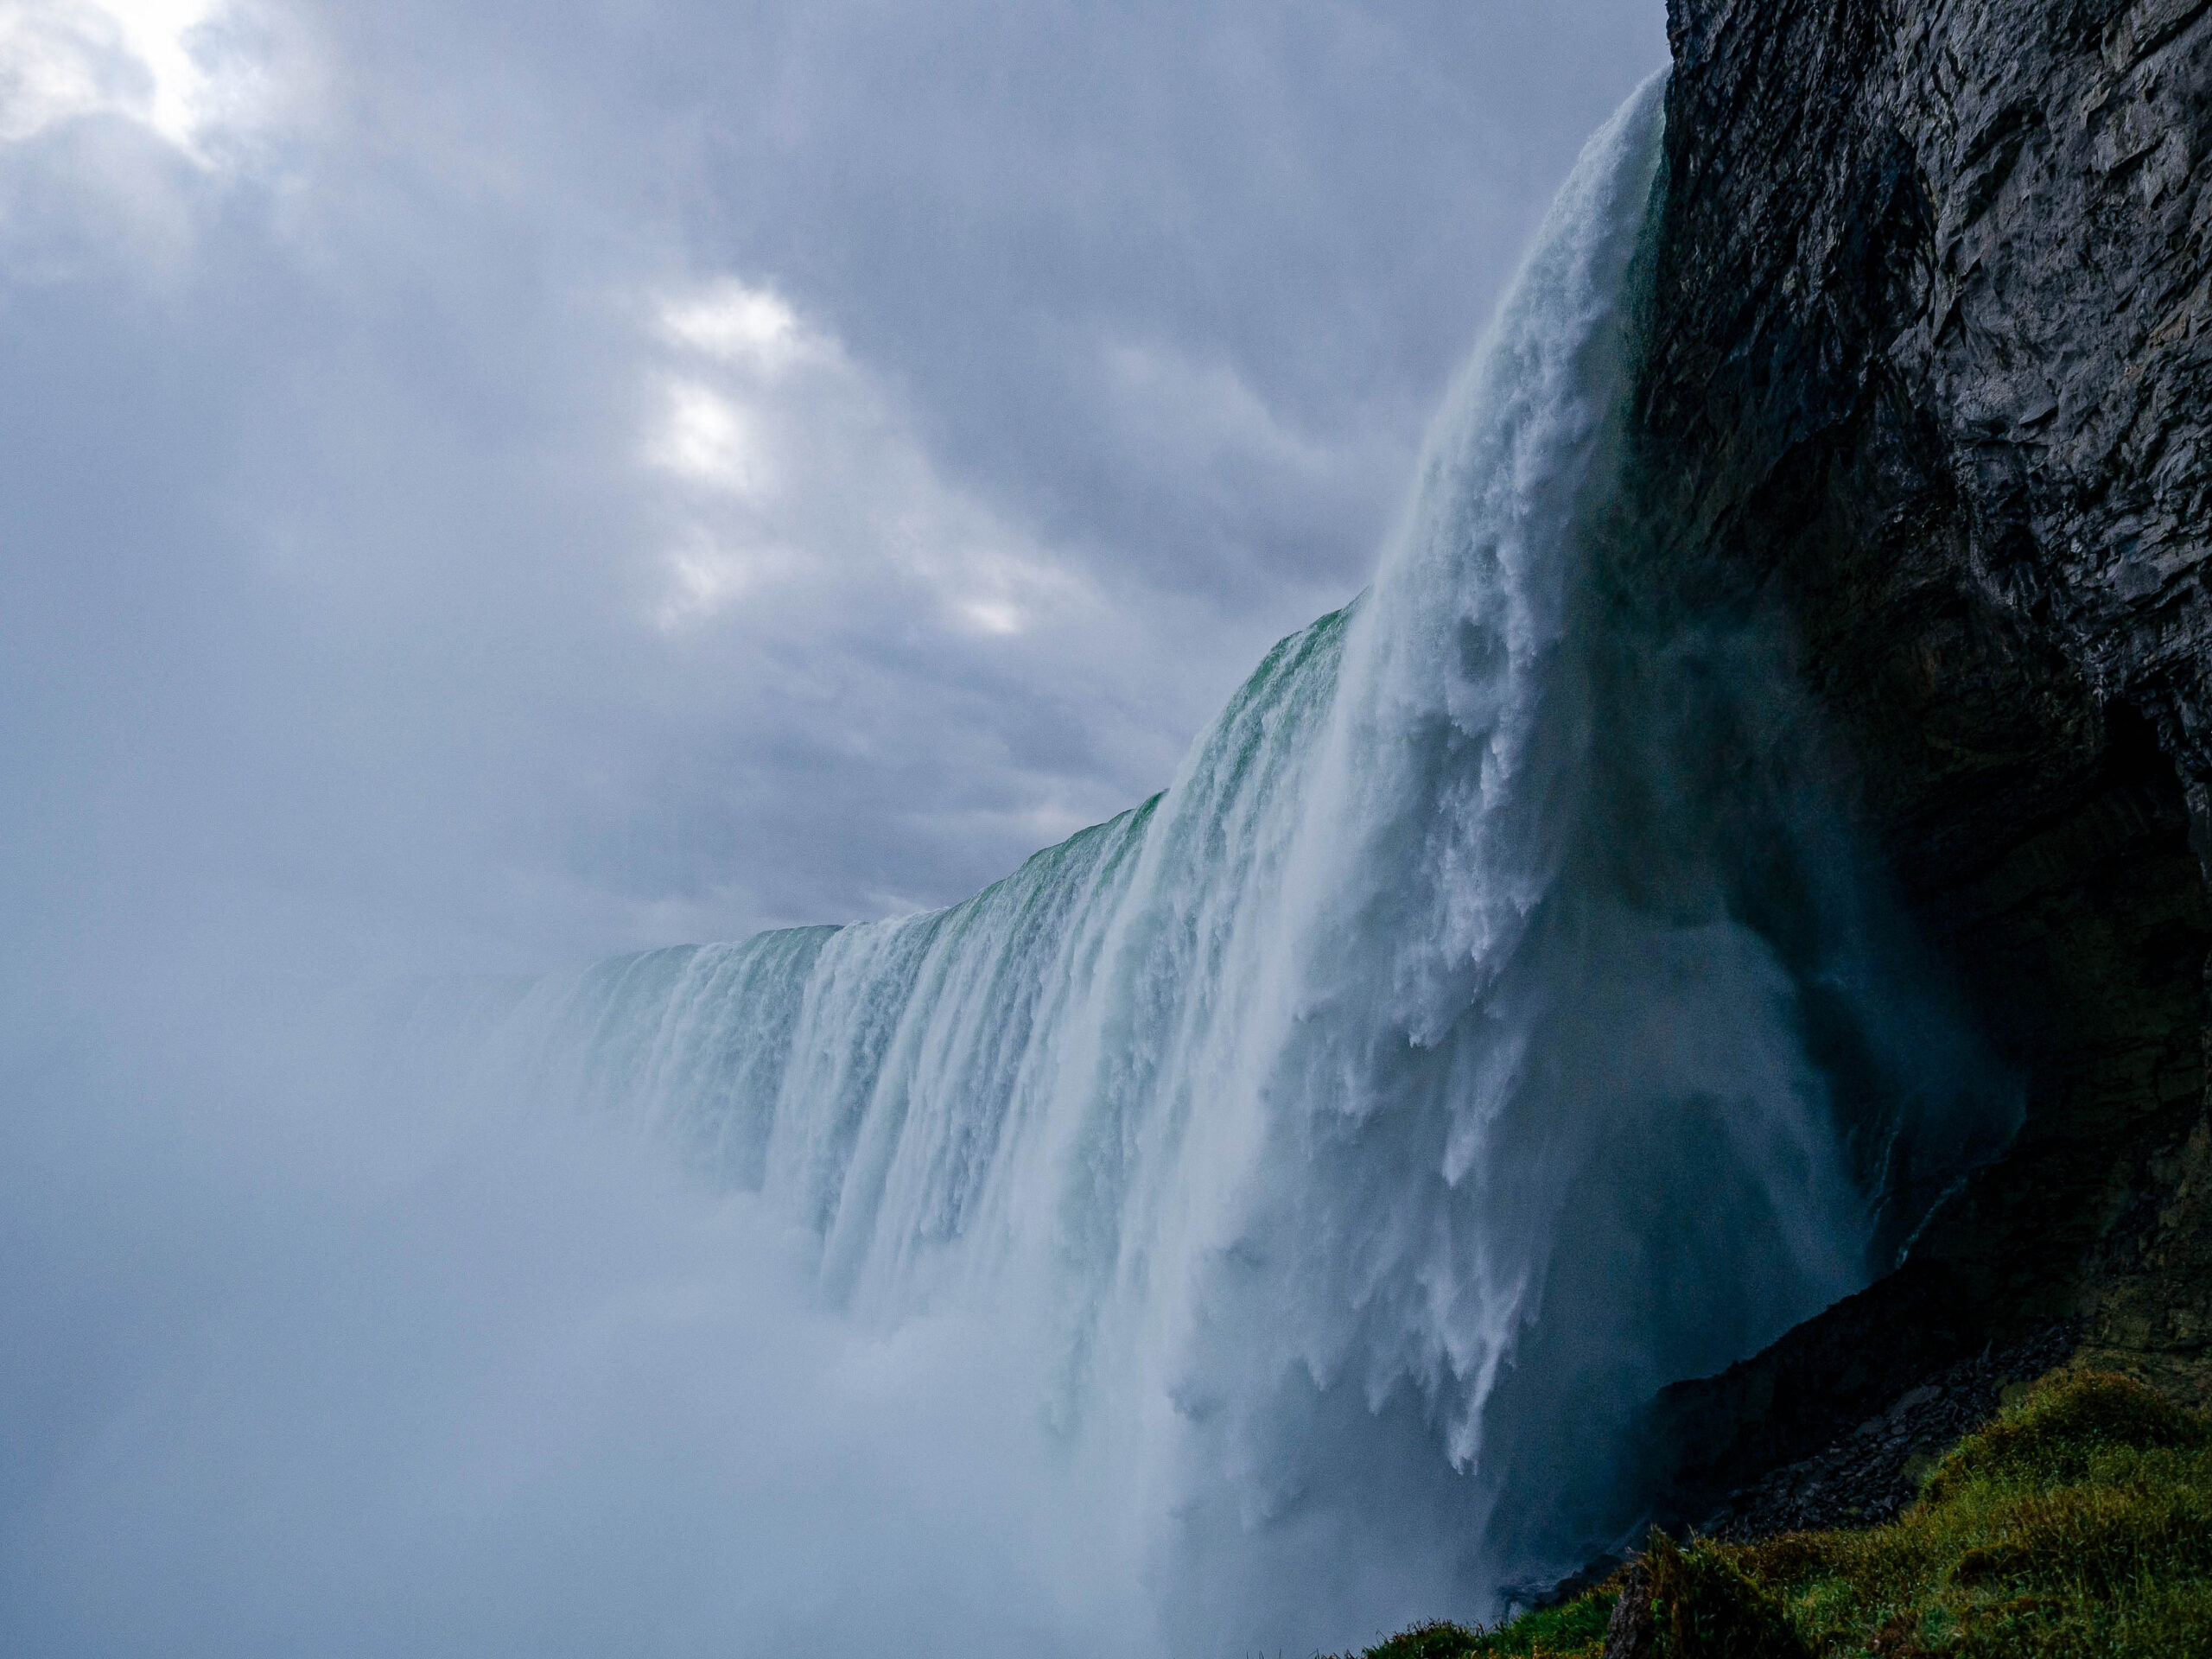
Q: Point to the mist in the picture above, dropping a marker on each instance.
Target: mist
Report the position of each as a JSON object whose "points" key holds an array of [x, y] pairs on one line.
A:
{"points": [[368, 1371]]}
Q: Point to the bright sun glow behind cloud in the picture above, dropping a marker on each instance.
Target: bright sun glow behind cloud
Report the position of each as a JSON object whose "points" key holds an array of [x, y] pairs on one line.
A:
{"points": [[709, 441], [60, 60], [754, 328], [800, 470]]}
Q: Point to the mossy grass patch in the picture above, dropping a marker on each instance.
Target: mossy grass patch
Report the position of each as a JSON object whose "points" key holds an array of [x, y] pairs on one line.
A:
{"points": [[2076, 1526], [1577, 1627]]}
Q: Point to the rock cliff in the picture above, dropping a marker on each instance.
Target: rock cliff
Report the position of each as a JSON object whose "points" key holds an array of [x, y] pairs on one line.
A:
{"points": [[1929, 384]]}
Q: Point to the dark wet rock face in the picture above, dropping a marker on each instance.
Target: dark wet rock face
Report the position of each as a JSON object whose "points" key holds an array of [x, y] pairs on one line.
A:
{"points": [[1929, 385], [1632, 1632], [1872, 1471]]}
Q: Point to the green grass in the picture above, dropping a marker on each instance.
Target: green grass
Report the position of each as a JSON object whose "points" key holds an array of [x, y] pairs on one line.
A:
{"points": [[1577, 1627], [2076, 1526]]}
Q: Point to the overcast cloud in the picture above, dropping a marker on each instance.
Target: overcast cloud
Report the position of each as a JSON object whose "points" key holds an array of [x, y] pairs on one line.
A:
{"points": [[508, 480]]}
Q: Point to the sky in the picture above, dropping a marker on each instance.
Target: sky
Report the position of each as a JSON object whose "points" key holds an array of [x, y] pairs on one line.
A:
{"points": [[489, 483], [487, 486]]}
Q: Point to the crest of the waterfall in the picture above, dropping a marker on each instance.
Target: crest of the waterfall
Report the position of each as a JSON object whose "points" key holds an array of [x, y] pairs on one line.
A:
{"points": [[1357, 1132]]}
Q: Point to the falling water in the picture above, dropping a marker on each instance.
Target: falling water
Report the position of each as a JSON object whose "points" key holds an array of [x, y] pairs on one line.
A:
{"points": [[1357, 1131]]}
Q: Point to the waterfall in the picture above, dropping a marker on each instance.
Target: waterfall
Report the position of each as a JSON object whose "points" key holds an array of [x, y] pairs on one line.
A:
{"points": [[1357, 1131]]}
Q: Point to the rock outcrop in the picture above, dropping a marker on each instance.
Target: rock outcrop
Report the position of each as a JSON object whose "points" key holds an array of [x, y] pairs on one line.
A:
{"points": [[1929, 384]]}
